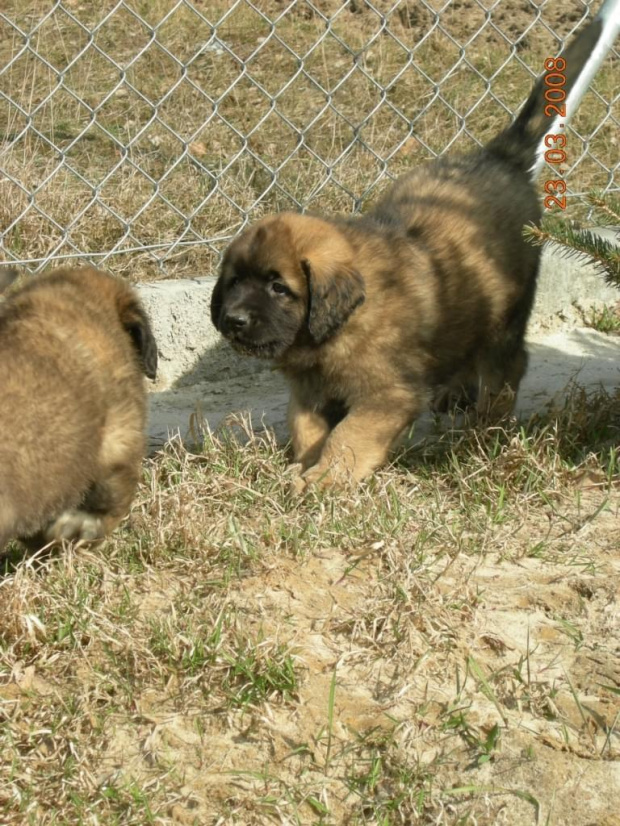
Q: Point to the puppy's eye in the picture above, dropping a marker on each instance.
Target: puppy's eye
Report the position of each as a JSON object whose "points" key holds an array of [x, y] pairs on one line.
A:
{"points": [[279, 288]]}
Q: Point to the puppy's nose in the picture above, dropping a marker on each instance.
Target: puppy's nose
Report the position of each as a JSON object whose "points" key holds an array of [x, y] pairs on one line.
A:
{"points": [[237, 320]]}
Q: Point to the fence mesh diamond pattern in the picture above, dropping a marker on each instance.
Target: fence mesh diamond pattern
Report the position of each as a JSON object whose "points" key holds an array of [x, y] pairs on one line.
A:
{"points": [[142, 135]]}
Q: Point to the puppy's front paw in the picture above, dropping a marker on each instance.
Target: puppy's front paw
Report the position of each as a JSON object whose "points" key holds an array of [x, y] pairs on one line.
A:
{"points": [[296, 481], [321, 477], [298, 486], [74, 525]]}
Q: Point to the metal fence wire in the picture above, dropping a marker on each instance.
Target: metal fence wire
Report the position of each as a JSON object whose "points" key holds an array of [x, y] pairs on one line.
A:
{"points": [[142, 135]]}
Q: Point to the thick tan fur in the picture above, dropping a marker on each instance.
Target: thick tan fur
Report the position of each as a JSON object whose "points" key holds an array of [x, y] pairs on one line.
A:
{"points": [[74, 345]]}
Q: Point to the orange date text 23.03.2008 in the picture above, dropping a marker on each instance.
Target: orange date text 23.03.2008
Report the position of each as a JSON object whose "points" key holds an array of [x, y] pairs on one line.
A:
{"points": [[555, 80]]}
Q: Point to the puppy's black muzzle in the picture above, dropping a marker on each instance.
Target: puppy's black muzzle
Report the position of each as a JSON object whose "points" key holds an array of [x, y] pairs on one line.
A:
{"points": [[236, 321]]}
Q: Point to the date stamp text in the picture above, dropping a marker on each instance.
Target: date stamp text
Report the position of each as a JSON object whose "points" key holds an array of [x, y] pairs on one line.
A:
{"points": [[555, 94]]}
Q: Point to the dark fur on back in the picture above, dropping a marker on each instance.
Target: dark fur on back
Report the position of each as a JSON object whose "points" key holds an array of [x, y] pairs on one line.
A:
{"points": [[425, 297]]}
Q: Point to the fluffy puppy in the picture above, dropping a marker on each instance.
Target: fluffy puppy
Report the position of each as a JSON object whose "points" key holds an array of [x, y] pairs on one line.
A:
{"points": [[74, 347], [425, 296]]}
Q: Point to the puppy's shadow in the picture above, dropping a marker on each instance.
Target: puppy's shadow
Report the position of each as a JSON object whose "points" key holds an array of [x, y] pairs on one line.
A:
{"points": [[580, 357], [220, 363], [219, 383]]}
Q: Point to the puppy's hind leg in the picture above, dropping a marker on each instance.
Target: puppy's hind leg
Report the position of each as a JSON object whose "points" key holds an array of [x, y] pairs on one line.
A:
{"points": [[460, 393], [107, 501], [109, 497], [73, 524], [501, 372]]}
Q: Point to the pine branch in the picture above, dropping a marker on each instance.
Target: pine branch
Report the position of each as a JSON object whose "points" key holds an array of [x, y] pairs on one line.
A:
{"points": [[605, 255], [608, 208]]}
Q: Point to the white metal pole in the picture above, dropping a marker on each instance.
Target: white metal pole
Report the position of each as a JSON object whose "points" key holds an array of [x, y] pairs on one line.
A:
{"points": [[609, 13]]}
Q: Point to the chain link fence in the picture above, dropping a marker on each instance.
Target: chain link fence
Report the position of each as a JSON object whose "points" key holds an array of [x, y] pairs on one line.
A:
{"points": [[142, 135]]}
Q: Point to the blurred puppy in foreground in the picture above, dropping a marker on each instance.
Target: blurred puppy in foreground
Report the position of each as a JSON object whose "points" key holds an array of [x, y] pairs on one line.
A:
{"points": [[75, 345], [424, 298]]}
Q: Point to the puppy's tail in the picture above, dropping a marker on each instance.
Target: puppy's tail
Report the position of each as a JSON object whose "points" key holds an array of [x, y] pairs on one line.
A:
{"points": [[521, 144]]}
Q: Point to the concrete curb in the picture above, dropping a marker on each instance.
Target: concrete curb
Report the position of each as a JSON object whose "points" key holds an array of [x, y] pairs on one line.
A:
{"points": [[566, 281]]}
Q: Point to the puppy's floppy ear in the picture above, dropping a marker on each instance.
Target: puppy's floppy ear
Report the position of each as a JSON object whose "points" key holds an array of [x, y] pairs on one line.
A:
{"points": [[333, 294], [136, 322]]}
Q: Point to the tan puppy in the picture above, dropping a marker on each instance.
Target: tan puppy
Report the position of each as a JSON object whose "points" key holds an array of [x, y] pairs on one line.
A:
{"points": [[74, 345], [424, 297]]}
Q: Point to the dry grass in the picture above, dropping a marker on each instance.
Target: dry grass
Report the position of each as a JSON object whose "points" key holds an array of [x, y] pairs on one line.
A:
{"points": [[177, 155], [439, 648]]}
